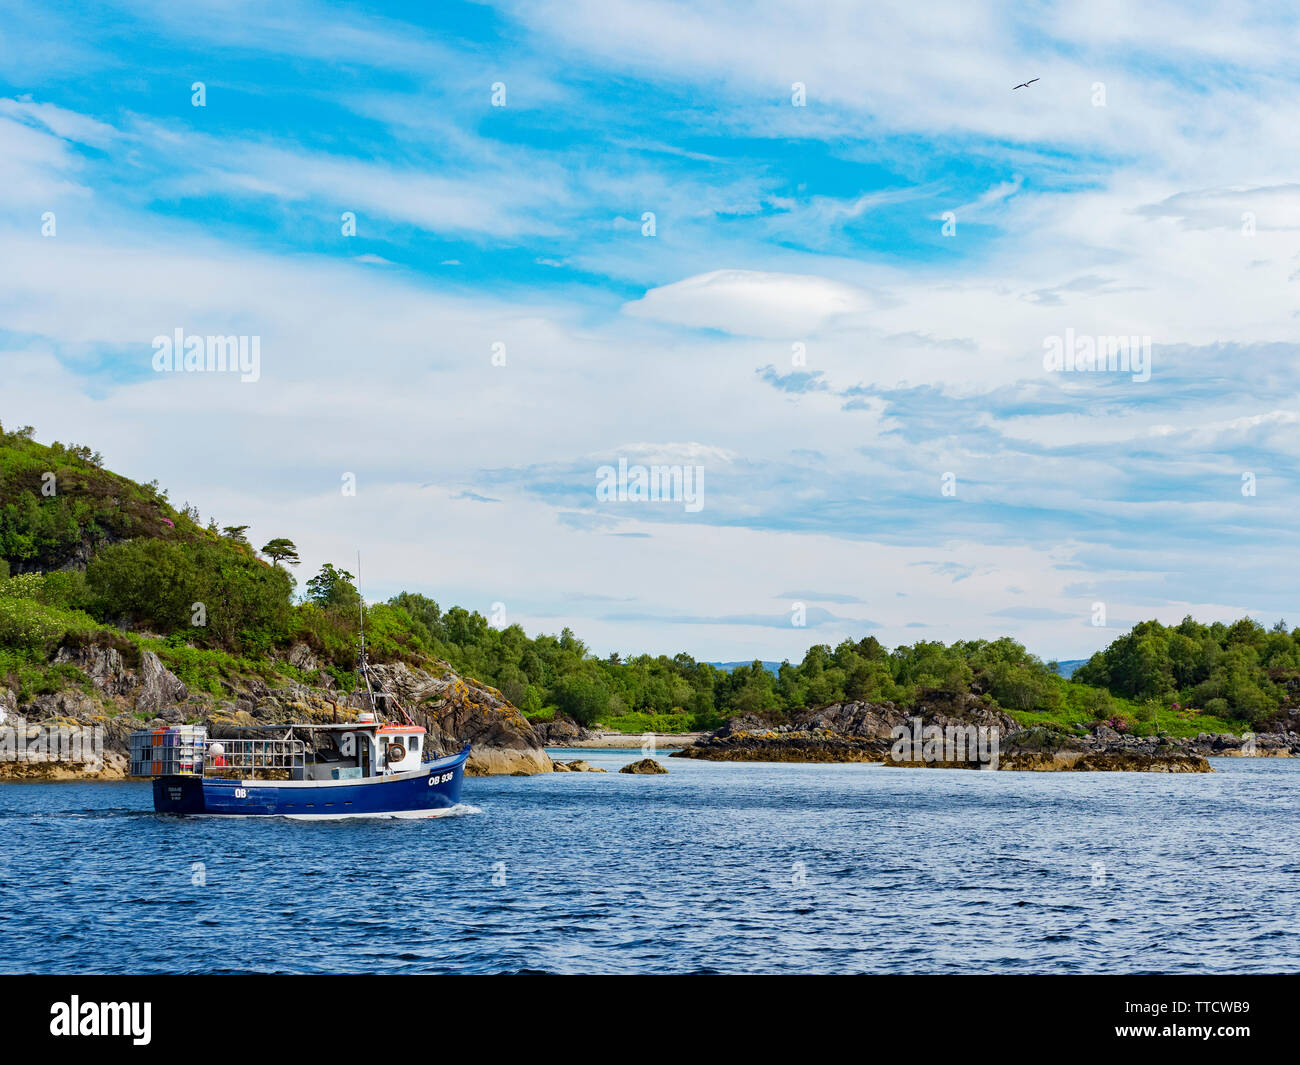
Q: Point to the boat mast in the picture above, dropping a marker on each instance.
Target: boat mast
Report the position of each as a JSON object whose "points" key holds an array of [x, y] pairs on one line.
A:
{"points": [[363, 663], [363, 666]]}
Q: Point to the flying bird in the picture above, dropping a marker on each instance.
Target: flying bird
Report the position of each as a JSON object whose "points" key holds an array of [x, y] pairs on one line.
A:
{"points": [[1023, 84]]}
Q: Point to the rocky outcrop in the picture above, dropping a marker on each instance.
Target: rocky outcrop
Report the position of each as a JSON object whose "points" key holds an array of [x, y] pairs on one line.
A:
{"points": [[118, 696], [561, 732], [105, 666], [458, 711], [1068, 758], [578, 765], [1226, 745], [57, 749], [869, 732], [301, 657], [645, 766], [149, 686], [1045, 750], [67, 705], [158, 686], [840, 732], [771, 745]]}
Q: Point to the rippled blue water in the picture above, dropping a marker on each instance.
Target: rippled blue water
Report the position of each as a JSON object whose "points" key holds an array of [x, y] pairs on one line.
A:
{"points": [[715, 867]]}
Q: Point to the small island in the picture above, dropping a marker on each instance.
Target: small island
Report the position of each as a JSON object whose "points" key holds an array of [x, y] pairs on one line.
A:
{"points": [[937, 735]]}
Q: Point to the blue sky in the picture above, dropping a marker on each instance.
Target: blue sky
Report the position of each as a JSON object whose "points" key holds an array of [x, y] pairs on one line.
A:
{"points": [[801, 324]]}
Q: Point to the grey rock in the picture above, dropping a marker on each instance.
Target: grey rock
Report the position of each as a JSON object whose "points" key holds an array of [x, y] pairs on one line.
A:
{"points": [[158, 686], [301, 657], [70, 702], [103, 665]]}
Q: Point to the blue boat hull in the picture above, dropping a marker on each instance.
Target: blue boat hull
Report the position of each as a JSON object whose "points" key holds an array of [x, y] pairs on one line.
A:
{"points": [[424, 792]]}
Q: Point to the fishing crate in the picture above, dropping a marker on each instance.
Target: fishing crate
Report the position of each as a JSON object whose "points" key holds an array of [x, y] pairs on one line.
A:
{"points": [[174, 751]]}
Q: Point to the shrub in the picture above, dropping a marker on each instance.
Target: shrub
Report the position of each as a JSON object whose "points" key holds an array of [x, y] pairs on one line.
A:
{"points": [[24, 623], [157, 584], [23, 586], [66, 589]]}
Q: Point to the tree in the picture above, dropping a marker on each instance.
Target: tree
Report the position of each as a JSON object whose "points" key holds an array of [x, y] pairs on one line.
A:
{"points": [[333, 587], [583, 698], [421, 608], [281, 549], [238, 533]]}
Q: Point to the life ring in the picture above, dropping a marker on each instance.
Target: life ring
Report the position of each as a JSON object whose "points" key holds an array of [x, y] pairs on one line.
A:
{"points": [[395, 752]]}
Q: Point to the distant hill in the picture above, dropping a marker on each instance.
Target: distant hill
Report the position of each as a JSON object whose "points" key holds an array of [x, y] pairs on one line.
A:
{"points": [[1067, 668], [727, 667]]}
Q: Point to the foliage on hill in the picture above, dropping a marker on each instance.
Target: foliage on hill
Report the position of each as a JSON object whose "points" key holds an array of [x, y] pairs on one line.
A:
{"points": [[559, 671], [57, 505], [1240, 670]]}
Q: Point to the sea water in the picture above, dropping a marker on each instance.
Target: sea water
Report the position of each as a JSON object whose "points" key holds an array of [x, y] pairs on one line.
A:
{"points": [[716, 867]]}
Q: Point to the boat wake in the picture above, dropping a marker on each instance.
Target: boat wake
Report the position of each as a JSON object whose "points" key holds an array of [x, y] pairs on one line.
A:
{"points": [[461, 809]]}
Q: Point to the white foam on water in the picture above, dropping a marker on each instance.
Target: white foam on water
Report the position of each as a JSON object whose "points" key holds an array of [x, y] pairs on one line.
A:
{"points": [[459, 810]]}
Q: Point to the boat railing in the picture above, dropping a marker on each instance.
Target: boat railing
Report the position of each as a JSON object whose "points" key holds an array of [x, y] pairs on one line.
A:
{"points": [[270, 758]]}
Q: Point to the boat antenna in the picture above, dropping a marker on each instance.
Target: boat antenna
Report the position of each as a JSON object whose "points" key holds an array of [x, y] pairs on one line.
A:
{"points": [[363, 664]]}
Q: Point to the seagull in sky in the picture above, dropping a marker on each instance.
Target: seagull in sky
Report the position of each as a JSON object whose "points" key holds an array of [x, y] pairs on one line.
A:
{"points": [[1023, 84]]}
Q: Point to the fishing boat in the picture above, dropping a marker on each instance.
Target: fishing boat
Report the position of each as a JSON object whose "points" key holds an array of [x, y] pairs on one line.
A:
{"points": [[373, 766], [362, 768]]}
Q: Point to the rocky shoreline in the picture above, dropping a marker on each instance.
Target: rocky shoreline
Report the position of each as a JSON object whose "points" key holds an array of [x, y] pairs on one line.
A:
{"points": [[871, 732], [129, 691]]}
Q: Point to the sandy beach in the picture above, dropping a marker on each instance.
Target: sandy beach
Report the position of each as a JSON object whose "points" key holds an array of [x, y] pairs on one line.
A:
{"points": [[633, 740]]}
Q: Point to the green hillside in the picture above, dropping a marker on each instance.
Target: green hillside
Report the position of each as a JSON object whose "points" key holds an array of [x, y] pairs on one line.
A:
{"points": [[58, 505]]}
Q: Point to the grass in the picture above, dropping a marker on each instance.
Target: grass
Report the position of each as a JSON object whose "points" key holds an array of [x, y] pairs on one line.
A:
{"points": [[1081, 706], [203, 669]]}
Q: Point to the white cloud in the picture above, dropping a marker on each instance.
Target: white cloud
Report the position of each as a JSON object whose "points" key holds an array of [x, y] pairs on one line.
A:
{"points": [[751, 303]]}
